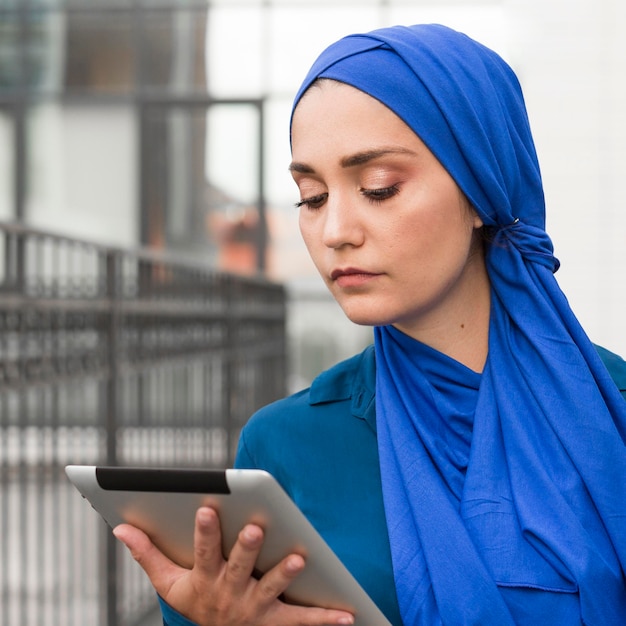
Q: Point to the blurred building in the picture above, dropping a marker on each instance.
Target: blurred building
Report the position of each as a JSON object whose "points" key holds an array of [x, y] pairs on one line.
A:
{"points": [[104, 114]]}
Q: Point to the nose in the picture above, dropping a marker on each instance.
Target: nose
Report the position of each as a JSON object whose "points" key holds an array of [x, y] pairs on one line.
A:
{"points": [[342, 226]]}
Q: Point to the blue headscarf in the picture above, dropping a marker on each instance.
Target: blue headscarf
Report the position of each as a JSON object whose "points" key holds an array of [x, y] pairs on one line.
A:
{"points": [[529, 525]]}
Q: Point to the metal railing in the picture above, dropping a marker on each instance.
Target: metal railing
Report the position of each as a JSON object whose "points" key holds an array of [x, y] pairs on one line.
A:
{"points": [[116, 357]]}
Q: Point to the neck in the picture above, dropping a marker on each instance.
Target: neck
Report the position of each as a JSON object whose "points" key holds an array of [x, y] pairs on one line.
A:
{"points": [[460, 330]]}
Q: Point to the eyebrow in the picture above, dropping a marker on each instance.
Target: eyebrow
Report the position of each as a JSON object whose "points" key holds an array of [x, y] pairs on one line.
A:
{"points": [[360, 158]]}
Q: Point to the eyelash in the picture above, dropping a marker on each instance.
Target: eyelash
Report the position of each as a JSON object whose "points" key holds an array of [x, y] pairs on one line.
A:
{"points": [[375, 196], [314, 202]]}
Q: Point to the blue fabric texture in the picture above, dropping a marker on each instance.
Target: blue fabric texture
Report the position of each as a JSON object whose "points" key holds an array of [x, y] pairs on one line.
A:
{"points": [[171, 617], [527, 512]]}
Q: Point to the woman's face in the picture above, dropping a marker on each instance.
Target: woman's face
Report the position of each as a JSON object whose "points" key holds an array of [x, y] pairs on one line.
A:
{"points": [[386, 226]]}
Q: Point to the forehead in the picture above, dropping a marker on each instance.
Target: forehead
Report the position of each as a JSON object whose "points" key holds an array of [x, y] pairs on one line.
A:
{"points": [[335, 117], [333, 98]]}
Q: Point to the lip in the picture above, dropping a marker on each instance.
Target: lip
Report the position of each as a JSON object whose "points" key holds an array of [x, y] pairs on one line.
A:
{"points": [[352, 277]]}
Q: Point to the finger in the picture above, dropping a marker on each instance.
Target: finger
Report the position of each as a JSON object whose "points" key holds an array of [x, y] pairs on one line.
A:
{"points": [[304, 616], [276, 582], [158, 567], [243, 556], [207, 541]]}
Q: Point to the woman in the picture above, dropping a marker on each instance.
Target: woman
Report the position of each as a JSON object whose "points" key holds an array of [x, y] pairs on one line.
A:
{"points": [[470, 468]]}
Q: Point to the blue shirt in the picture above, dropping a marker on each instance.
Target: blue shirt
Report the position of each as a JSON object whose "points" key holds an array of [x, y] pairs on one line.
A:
{"points": [[321, 445]]}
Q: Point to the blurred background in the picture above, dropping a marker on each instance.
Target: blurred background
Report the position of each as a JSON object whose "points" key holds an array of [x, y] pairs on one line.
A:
{"points": [[147, 215], [165, 124]]}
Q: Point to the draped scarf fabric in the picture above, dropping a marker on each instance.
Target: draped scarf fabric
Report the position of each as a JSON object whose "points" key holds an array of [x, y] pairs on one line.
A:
{"points": [[541, 503]]}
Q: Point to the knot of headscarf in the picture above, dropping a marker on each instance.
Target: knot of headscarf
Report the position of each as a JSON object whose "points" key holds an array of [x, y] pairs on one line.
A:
{"points": [[542, 508], [531, 242]]}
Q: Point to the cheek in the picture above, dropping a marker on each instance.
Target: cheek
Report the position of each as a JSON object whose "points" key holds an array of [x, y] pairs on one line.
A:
{"points": [[309, 235], [433, 239], [304, 227], [419, 232]]}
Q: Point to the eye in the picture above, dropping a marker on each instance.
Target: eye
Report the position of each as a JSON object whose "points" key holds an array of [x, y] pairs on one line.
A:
{"points": [[379, 195], [314, 202]]}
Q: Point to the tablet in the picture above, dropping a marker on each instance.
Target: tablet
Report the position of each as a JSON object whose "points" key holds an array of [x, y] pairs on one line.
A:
{"points": [[163, 503]]}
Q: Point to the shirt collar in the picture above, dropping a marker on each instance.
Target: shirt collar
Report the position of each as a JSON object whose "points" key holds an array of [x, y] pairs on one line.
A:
{"points": [[353, 379]]}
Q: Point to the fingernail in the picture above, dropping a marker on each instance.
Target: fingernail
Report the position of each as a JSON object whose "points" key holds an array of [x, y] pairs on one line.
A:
{"points": [[346, 620], [205, 516], [251, 533], [295, 564], [116, 535]]}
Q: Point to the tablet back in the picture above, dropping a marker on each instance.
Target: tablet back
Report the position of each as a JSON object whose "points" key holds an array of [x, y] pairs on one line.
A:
{"points": [[163, 503]]}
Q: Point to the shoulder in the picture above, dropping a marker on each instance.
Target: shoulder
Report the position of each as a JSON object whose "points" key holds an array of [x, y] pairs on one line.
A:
{"points": [[319, 415], [616, 366], [340, 383]]}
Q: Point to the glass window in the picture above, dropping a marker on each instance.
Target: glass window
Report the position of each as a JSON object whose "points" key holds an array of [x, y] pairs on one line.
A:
{"points": [[9, 52], [46, 51], [176, 193], [31, 49], [157, 38], [82, 171], [7, 166], [236, 52], [100, 52], [232, 172], [173, 50], [233, 150]]}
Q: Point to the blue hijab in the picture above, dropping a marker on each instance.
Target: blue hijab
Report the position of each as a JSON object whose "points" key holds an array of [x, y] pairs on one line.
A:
{"points": [[505, 493]]}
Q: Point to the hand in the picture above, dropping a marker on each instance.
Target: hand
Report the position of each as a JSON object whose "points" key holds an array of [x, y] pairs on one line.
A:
{"points": [[219, 592]]}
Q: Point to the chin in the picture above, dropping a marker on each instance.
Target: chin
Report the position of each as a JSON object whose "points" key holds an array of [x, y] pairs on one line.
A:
{"points": [[364, 319]]}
